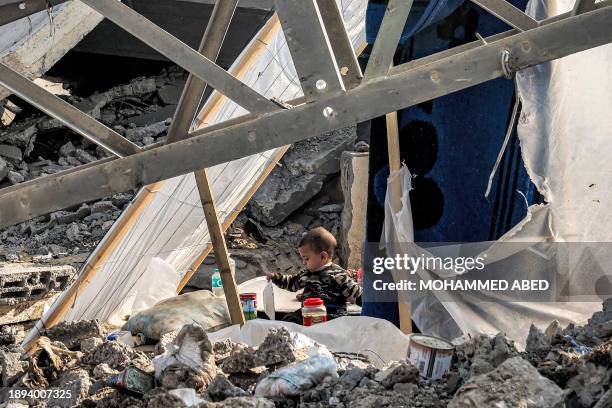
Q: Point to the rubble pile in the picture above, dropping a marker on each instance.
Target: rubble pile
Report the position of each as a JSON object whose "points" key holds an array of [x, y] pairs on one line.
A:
{"points": [[187, 369], [38, 145]]}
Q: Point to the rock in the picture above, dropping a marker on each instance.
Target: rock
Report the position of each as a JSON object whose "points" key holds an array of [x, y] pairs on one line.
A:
{"points": [[221, 388], [73, 233], [72, 333], [407, 389], [515, 383], [67, 149], [89, 344], [170, 94], [537, 341], [13, 368], [102, 207], [103, 371], [3, 169], [84, 157], [15, 177], [121, 199], [404, 373], [77, 382], [116, 355], [277, 348], [160, 398], [12, 153], [589, 383], [153, 130], [553, 330], [352, 377], [245, 402], [331, 208], [148, 140], [241, 360]]}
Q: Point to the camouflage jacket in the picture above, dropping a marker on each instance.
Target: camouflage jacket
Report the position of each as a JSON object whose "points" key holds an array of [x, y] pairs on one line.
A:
{"points": [[332, 284]]}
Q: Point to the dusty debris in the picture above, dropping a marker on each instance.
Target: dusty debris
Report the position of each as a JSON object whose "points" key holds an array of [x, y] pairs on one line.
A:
{"points": [[514, 383], [482, 354], [90, 344], [13, 367], [72, 333], [241, 360], [277, 348], [74, 385], [221, 388]]}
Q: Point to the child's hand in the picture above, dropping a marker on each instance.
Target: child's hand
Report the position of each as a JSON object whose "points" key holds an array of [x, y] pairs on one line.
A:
{"points": [[269, 276]]}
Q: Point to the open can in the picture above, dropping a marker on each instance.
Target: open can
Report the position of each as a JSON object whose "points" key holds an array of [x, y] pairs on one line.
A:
{"points": [[431, 355]]}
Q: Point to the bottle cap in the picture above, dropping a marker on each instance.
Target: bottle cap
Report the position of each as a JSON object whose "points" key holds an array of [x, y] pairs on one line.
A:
{"points": [[313, 302]]}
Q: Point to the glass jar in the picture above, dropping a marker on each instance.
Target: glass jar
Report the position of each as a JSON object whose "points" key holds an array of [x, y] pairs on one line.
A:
{"points": [[313, 311]]}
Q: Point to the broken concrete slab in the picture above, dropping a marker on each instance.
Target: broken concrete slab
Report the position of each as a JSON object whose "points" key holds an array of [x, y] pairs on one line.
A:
{"points": [[515, 383], [300, 176], [19, 283]]}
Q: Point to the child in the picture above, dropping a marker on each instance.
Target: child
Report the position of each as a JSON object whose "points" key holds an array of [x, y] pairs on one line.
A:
{"points": [[322, 278]]}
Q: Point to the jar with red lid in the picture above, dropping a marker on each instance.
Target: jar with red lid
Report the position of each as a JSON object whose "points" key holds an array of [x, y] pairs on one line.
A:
{"points": [[313, 311]]}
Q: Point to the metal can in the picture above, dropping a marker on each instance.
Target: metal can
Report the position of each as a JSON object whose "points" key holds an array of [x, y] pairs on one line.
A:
{"points": [[431, 355], [249, 305], [132, 379]]}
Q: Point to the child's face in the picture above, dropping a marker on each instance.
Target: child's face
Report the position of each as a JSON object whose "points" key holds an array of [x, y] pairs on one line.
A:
{"points": [[313, 260]]}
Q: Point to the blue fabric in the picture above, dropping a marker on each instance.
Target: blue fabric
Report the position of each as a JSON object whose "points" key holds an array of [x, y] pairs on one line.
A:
{"points": [[418, 18], [469, 128]]}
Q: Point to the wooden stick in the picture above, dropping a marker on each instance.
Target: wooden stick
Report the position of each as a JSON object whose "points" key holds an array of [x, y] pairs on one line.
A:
{"points": [[405, 315]]}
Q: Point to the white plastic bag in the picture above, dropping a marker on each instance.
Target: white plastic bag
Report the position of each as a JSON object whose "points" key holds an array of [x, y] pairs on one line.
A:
{"points": [[290, 380]]}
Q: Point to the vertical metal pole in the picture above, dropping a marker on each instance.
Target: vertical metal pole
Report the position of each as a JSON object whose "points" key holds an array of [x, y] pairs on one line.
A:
{"points": [[181, 124]]}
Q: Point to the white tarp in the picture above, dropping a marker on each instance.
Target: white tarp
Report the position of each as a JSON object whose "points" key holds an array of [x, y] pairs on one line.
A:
{"points": [[348, 334], [172, 227], [564, 129]]}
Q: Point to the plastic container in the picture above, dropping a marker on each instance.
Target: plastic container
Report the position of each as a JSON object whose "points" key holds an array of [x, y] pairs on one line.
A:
{"points": [[249, 305], [216, 283], [432, 355], [313, 312]]}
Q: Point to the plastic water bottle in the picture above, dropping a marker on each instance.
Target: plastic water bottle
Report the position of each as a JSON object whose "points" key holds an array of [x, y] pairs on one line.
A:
{"points": [[217, 285]]}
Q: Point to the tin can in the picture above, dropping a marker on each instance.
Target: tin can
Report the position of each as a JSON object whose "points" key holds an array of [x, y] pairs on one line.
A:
{"points": [[249, 305], [432, 355], [132, 379]]}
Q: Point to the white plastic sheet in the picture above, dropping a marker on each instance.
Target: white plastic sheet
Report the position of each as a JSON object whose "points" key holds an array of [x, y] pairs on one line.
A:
{"points": [[376, 338]]}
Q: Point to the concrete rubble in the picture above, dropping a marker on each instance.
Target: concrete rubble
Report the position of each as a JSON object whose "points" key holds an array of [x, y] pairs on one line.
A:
{"points": [[556, 370]]}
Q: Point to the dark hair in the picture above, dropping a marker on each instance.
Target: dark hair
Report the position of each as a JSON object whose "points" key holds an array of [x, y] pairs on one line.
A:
{"points": [[319, 239]]}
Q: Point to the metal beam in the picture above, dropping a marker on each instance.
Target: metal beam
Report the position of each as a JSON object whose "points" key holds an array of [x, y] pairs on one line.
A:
{"points": [[474, 44], [508, 14], [12, 10], [387, 38], [407, 87], [70, 116], [310, 48], [210, 46], [340, 42], [582, 6], [183, 55]]}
